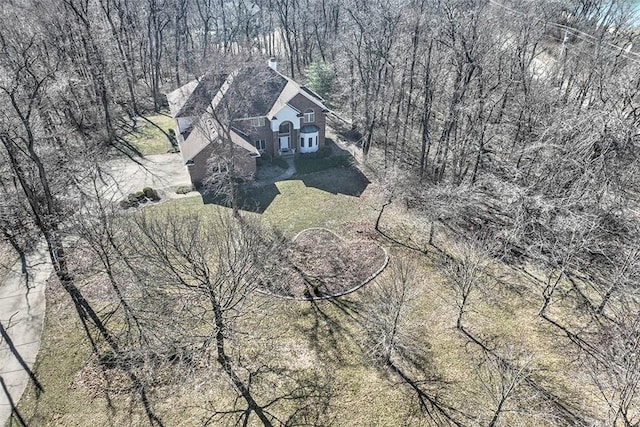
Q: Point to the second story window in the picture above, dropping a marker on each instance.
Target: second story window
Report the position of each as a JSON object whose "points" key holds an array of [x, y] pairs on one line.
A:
{"points": [[285, 128], [219, 168], [309, 116], [258, 122]]}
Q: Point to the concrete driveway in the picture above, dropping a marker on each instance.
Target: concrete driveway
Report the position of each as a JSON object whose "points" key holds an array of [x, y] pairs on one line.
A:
{"points": [[159, 171], [22, 309], [22, 305]]}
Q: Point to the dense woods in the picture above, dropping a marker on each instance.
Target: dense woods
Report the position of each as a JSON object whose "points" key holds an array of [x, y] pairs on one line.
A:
{"points": [[509, 126]]}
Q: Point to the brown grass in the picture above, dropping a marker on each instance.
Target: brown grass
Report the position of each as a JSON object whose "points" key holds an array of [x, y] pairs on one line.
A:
{"points": [[322, 341], [319, 264]]}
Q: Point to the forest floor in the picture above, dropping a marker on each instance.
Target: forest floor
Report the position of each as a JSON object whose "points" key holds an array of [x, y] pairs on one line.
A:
{"points": [[325, 342]]}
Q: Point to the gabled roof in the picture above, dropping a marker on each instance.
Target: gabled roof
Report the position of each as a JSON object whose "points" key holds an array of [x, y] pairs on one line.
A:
{"points": [[254, 90], [197, 141], [193, 98], [202, 136], [244, 93], [288, 93], [248, 92], [179, 97]]}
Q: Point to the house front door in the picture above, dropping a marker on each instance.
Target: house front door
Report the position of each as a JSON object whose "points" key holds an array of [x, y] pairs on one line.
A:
{"points": [[284, 142]]}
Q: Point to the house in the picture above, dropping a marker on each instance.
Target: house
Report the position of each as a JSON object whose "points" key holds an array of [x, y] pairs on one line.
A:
{"points": [[229, 119]]}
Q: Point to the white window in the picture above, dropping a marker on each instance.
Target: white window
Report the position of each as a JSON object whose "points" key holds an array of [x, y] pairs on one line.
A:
{"points": [[302, 142], [285, 128], [258, 122], [260, 144], [309, 116], [220, 168]]}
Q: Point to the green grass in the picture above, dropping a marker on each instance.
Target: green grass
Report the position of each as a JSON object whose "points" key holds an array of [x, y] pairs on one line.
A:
{"points": [[280, 162], [305, 165], [297, 207], [147, 138], [289, 206]]}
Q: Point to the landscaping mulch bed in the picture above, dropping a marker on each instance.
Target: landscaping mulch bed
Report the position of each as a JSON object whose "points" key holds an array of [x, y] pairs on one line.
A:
{"points": [[320, 265]]}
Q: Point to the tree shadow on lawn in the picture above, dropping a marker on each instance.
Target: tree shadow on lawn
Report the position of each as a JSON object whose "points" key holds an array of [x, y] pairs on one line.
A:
{"points": [[335, 174], [254, 199], [347, 180], [341, 180], [328, 336]]}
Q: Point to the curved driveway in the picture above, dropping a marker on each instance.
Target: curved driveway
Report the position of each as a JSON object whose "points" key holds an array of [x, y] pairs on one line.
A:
{"points": [[22, 305]]}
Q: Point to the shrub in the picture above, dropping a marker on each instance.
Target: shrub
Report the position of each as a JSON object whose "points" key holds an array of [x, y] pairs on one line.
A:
{"points": [[134, 199], [184, 189], [150, 194], [172, 138]]}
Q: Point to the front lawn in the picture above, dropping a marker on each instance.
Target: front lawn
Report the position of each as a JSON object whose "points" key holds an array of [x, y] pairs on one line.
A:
{"points": [[309, 164], [328, 344]]}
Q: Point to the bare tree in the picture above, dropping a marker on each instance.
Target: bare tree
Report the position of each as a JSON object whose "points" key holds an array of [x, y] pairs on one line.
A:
{"points": [[202, 275], [392, 340], [501, 378], [613, 364]]}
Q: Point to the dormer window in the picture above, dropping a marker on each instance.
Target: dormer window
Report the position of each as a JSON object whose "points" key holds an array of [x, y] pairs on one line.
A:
{"points": [[309, 116]]}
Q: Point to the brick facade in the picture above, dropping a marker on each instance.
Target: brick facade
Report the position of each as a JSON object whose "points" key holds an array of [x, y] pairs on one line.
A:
{"points": [[273, 96], [244, 164], [301, 103]]}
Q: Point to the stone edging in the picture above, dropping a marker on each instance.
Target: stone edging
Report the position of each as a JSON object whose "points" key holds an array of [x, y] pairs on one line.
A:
{"points": [[336, 295]]}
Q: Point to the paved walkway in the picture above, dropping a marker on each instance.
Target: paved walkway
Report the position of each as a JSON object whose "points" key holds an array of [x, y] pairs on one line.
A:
{"points": [[22, 312], [286, 174]]}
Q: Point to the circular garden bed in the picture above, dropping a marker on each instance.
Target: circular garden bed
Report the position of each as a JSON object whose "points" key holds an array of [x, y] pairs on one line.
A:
{"points": [[318, 264]]}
